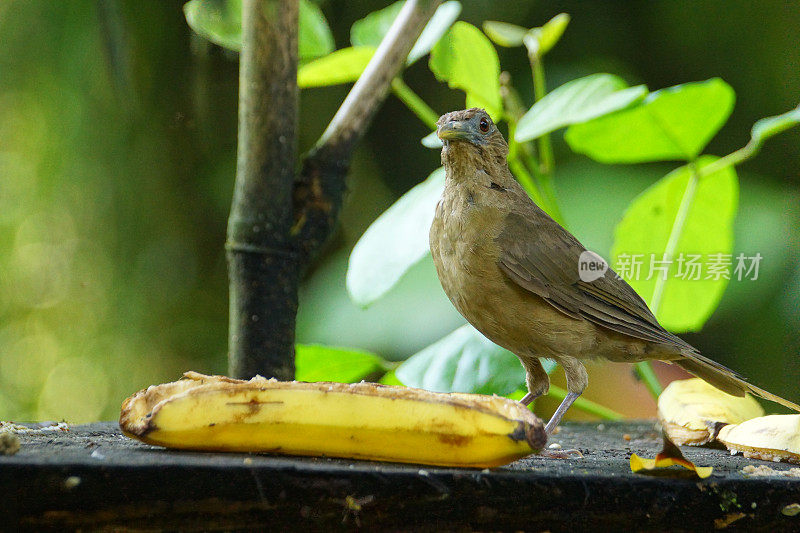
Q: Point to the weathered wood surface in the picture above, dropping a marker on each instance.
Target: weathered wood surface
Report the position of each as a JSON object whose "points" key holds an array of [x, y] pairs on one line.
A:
{"points": [[93, 477]]}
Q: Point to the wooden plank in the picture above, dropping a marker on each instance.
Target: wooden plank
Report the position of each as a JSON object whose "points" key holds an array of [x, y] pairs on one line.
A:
{"points": [[93, 477]]}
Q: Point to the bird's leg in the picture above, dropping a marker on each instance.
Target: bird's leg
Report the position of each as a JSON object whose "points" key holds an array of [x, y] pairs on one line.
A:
{"points": [[577, 379], [556, 418], [536, 378]]}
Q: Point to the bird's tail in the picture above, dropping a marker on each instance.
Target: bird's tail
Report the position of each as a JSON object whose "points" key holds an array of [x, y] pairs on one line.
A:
{"points": [[726, 379]]}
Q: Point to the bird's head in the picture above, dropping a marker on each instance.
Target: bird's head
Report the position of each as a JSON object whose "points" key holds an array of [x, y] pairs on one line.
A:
{"points": [[470, 134]]}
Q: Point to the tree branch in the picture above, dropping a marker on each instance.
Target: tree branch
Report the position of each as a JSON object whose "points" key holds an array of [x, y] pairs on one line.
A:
{"points": [[262, 263], [321, 183]]}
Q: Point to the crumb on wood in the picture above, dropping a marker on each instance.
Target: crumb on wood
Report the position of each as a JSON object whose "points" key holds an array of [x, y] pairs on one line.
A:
{"points": [[763, 470]]}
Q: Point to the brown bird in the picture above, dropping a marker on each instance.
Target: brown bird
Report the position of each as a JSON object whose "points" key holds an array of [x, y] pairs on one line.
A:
{"points": [[512, 272]]}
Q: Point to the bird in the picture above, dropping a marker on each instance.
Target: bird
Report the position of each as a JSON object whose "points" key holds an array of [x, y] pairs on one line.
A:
{"points": [[512, 272]]}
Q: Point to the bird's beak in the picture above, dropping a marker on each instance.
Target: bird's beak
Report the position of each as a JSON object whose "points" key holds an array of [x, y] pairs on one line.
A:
{"points": [[453, 130]]}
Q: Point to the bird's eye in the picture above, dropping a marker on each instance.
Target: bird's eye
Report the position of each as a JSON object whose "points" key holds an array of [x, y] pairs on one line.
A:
{"points": [[484, 125]]}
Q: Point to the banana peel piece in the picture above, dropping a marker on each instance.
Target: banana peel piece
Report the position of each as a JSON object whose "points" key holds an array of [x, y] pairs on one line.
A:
{"points": [[692, 412], [359, 421], [670, 455], [771, 438]]}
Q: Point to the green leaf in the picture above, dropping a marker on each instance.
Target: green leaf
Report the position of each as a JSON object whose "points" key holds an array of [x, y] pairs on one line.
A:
{"points": [[220, 21], [371, 30], [539, 41], [645, 228], [770, 126], [314, 35], [504, 34], [315, 362], [432, 140], [395, 242], [444, 17], [342, 66], [549, 34], [577, 101], [390, 378], [464, 361], [673, 123], [466, 60]]}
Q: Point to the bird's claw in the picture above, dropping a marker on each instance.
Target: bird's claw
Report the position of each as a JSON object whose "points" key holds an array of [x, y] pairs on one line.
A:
{"points": [[561, 454]]}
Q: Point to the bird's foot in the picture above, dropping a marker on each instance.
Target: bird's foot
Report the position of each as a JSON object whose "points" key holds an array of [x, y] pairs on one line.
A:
{"points": [[561, 454]]}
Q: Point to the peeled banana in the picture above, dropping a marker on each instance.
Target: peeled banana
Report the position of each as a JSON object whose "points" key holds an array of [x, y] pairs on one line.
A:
{"points": [[360, 421]]}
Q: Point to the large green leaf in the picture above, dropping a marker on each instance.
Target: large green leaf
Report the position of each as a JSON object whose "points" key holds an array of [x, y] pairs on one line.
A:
{"points": [[314, 37], [464, 361], [220, 21], [466, 60], [577, 101], [315, 362], [342, 66], [371, 30], [673, 123], [645, 229], [396, 241]]}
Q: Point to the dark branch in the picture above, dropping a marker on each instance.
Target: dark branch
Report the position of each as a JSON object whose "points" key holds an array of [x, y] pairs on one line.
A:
{"points": [[321, 183], [261, 210], [261, 261]]}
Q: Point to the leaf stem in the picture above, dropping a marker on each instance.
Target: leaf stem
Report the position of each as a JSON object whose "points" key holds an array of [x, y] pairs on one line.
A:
{"points": [[413, 102], [524, 177], [644, 369], [738, 157], [521, 160], [546, 159], [539, 91], [585, 405]]}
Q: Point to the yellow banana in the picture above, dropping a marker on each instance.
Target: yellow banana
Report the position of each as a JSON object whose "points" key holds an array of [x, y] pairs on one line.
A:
{"points": [[359, 420]]}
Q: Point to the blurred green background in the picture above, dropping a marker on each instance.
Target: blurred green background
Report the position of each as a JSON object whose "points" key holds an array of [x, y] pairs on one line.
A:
{"points": [[117, 158]]}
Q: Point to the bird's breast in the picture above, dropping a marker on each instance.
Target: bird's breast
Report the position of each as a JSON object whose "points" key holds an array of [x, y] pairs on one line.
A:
{"points": [[463, 247]]}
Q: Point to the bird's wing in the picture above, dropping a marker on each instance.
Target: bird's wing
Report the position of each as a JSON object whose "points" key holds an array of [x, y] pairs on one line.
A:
{"points": [[542, 257]]}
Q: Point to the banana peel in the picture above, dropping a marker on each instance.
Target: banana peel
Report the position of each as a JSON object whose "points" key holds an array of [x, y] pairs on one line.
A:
{"points": [[770, 438], [670, 455], [359, 421], [692, 412]]}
